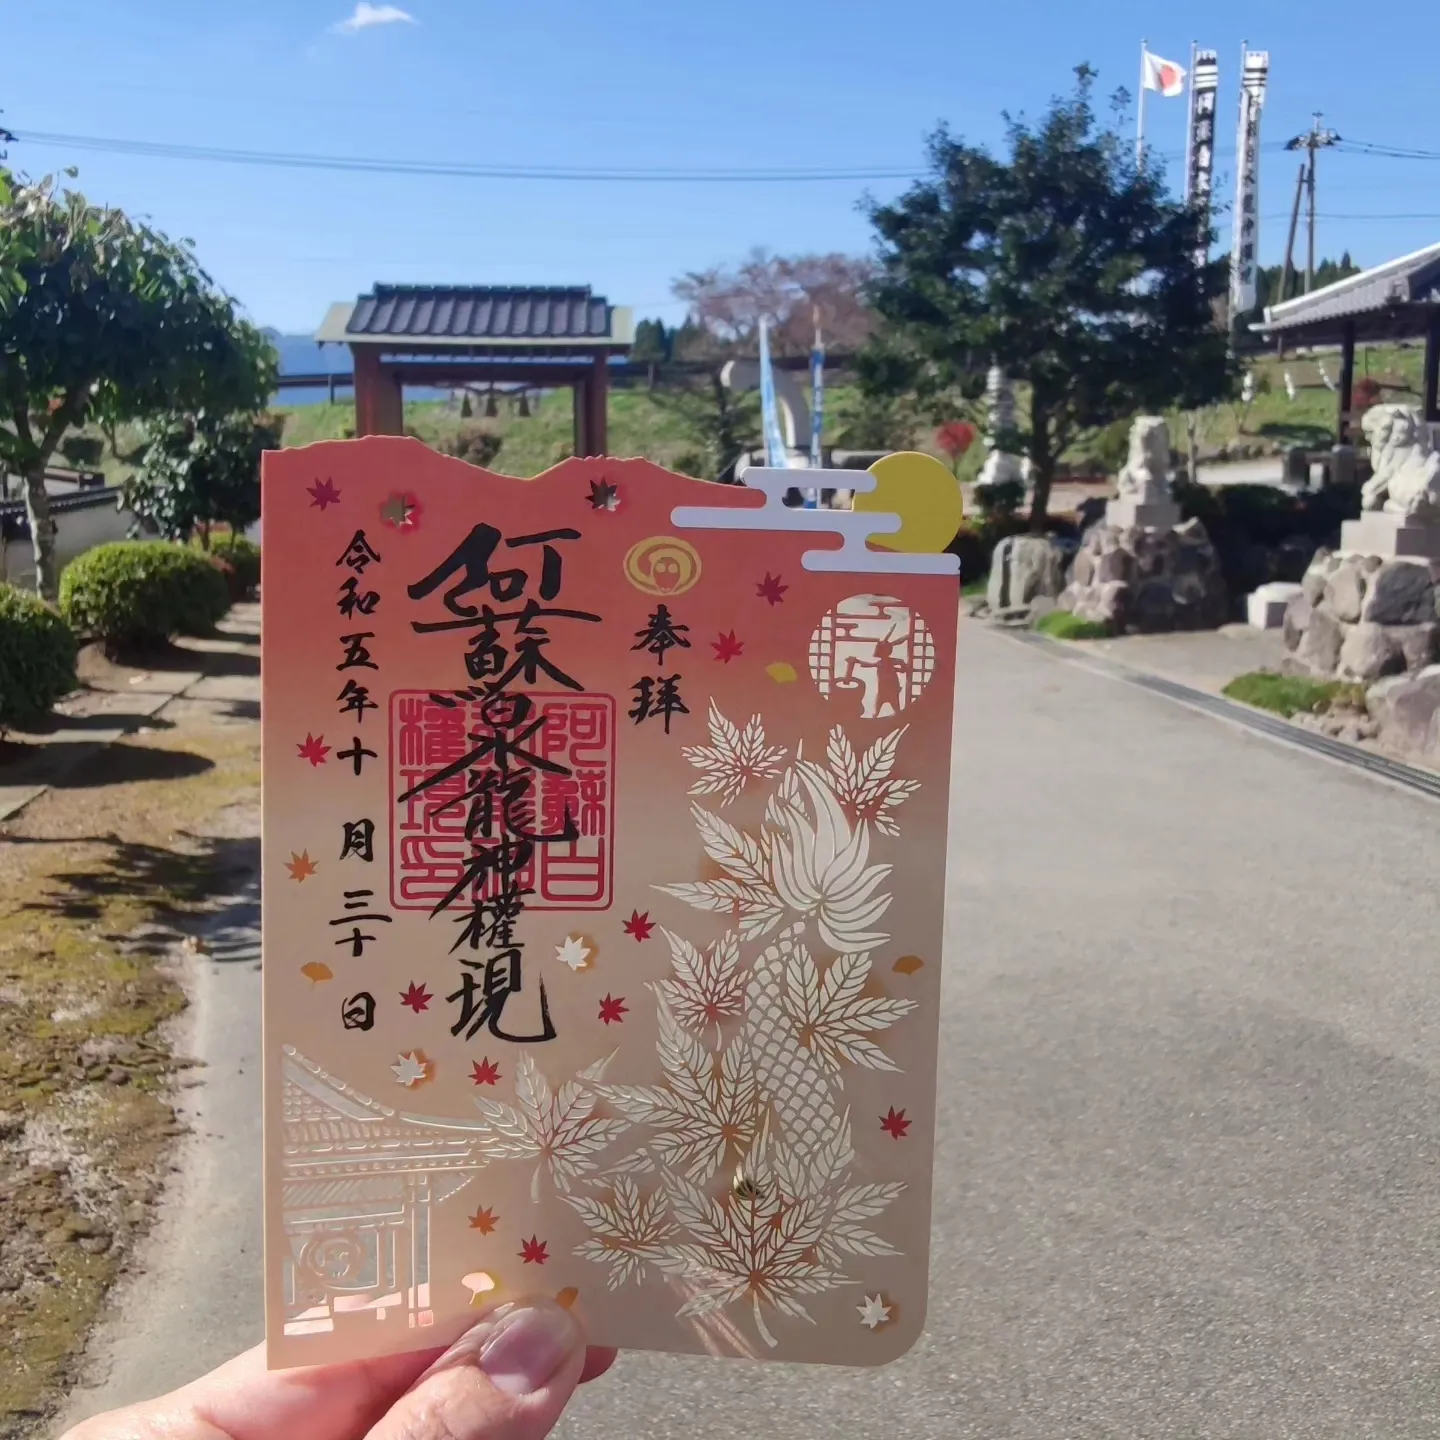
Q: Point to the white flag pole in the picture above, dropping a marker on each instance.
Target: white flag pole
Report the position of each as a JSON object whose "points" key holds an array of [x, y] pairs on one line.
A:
{"points": [[1140, 114]]}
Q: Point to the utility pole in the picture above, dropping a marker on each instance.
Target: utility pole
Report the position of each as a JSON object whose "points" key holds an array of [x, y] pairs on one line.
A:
{"points": [[1288, 273], [1314, 139]]}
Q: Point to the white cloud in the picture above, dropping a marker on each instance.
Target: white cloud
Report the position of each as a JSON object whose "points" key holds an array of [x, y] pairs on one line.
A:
{"points": [[367, 15]]}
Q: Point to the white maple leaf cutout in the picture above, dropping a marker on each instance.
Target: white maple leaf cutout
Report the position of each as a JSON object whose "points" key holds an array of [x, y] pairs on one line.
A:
{"points": [[707, 989], [573, 951], [733, 758], [559, 1128], [874, 1312], [410, 1070], [707, 1109], [758, 1247], [630, 1231], [832, 1018], [748, 896], [821, 864], [863, 786]]}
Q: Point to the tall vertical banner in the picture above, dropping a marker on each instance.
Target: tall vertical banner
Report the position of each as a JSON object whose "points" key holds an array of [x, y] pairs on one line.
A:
{"points": [[817, 400], [776, 455], [1200, 152], [1246, 239]]}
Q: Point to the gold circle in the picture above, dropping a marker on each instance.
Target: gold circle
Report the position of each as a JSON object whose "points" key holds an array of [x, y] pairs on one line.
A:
{"points": [[662, 565], [923, 493]]}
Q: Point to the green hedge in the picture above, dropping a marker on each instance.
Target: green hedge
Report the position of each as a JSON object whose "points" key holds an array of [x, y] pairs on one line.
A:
{"points": [[243, 556], [37, 659], [138, 593]]}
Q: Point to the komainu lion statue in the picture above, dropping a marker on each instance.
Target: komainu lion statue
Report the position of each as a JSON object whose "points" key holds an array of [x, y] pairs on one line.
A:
{"points": [[1406, 478], [1145, 476]]}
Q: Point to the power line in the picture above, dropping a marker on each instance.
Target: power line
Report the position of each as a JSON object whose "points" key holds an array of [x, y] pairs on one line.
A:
{"points": [[453, 169]]}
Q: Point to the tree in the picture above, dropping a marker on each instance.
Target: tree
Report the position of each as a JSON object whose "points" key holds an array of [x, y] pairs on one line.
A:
{"points": [[1065, 265], [103, 320], [200, 471], [729, 303], [725, 423]]}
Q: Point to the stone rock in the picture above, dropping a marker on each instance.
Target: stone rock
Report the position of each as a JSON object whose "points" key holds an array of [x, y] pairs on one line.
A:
{"points": [[1297, 618], [1023, 567], [1345, 593], [1417, 644], [1113, 565], [1409, 720], [1313, 580], [1082, 572], [1381, 696], [1400, 593], [1368, 652], [1319, 647], [1154, 606]]}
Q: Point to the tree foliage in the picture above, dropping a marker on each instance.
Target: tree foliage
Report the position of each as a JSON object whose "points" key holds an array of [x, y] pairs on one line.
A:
{"points": [[202, 470], [728, 302], [1064, 264], [104, 320]]}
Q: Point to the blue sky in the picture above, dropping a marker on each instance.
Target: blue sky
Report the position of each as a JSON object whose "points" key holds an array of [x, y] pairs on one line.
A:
{"points": [[645, 84]]}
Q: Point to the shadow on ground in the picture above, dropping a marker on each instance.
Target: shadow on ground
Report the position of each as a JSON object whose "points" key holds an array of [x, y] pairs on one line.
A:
{"points": [[172, 883], [208, 662], [1298, 432]]}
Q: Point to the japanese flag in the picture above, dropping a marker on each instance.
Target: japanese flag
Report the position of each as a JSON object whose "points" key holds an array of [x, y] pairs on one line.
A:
{"points": [[1164, 75]]}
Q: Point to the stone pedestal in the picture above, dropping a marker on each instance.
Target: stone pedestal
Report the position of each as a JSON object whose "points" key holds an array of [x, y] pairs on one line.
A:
{"points": [[1130, 513], [1362, 616], [1265, 608], [1390, 536], [1133, 578]]}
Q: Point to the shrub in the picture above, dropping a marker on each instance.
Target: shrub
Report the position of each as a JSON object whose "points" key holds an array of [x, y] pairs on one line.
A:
{"points": [[475, 445], [136, 594], [1062, 625], [37, 658], [243, 558]]}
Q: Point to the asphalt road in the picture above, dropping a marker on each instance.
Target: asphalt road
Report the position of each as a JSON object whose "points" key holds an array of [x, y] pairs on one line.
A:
{"points": [[1187, 1181]]}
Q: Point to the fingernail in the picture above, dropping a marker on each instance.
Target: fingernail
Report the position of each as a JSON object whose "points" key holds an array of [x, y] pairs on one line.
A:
{"points": [[528, 1346]]}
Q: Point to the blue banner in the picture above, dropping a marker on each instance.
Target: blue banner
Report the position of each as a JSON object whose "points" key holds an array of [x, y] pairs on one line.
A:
{"points": [[776, 456], [817, 402]]}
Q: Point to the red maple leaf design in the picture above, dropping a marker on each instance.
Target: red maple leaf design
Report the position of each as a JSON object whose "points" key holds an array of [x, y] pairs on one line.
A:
{"points": [[323, 493], [895, 1123], [639, 925], [533, 1251], [484, 1072], [612, 1010], [771, 589], [314, 749], [417, 997], [727, 647], [483, 1220]]}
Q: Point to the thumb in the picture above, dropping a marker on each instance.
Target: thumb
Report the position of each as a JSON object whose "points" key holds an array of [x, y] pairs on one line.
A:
{"points": [[507, 1379]]}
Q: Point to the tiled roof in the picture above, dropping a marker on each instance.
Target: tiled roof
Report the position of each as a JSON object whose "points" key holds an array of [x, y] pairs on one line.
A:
{"points": [[480, 312], [1411, 280]]}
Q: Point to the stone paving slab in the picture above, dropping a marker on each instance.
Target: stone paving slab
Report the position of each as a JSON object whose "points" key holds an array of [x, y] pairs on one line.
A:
{"points": [[1205, 659]]}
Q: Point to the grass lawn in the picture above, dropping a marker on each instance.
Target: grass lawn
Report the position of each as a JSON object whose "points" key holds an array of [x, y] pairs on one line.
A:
{"points": [[97, 879], [1062, 625], [1289, 695]]}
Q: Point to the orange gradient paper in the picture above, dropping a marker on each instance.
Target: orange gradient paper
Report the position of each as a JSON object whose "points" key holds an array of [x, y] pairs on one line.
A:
{"points": [[604, 851]]}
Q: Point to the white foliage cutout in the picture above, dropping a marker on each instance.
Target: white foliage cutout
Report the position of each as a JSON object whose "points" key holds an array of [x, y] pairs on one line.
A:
{"points": [[741, 1184]]}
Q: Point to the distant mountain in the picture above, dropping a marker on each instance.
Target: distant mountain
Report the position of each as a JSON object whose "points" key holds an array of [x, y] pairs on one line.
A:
{"points": [[300, 355]]}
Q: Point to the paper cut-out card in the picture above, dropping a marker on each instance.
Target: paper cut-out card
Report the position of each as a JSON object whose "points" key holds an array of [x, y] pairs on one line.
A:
{"points": [[604, 863]]}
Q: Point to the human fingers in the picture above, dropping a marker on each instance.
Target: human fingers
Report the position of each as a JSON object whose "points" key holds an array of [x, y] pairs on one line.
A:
{"points": [[598, 1359], [507, 1379]]}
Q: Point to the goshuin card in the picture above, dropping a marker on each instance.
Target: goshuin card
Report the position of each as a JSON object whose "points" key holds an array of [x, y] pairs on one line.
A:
{"points": [[604, 866]]}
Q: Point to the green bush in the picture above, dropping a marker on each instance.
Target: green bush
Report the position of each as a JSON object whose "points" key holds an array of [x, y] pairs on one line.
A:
{"points": [[37, 658], [136, 594], [243, 557]]}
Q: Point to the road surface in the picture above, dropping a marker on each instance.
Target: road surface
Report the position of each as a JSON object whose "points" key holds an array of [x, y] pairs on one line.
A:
{"points": [[1189, 1115]]}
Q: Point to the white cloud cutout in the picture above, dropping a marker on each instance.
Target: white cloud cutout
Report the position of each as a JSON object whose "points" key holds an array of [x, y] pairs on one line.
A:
{"points": [[367, 15]]}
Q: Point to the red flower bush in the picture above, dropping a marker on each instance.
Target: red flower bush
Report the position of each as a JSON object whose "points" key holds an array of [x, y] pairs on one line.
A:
{"points": [[955, 438]]}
